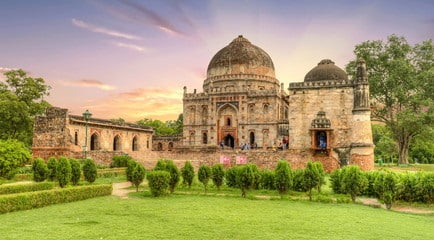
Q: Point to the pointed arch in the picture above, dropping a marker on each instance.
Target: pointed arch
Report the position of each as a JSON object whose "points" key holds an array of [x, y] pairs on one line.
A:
{"points": [[94, 141], [117, 143], [135, 144]]}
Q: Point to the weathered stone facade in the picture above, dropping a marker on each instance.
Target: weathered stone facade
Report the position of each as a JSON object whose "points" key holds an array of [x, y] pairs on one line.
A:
{"points": [[166, 143], [325, 118], [58, 133]]}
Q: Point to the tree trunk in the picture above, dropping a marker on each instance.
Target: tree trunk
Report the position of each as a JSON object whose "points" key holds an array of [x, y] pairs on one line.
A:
{"points": [[403, 146]]}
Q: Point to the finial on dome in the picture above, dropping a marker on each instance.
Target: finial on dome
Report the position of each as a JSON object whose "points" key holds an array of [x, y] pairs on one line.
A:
{"points": [[240, 38], [326, 61]]}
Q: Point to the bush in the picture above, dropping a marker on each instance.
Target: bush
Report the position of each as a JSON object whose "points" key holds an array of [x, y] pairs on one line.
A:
{"points": [[246, 177], [354, 181], [389, 189], [407, 187], [283, 177], [31, 187], [336, 180], [131, 164], [52, 167], [174, 175], [63, 172], [268, 179], [425, 188], [138, 174], [321, 172], [160, 166], [231, 177], [40, 170], [158, 182], [369, 190], [111, 172], [311, 178], [30, 200], [89, 170], [204, 174], [75, 171], [218, 174], [187, 173], [13, 154], [379, 184], [297, 180], [120, 161]]}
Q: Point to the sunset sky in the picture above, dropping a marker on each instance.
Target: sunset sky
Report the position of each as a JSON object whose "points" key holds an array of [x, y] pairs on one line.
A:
{"points": [[131, 58]]}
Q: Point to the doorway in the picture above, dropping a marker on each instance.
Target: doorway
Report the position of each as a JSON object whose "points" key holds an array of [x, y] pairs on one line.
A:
{"points": [[229, 141]]}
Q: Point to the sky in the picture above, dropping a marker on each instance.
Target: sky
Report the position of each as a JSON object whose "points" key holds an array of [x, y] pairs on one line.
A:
{"points": [[131, 58]]}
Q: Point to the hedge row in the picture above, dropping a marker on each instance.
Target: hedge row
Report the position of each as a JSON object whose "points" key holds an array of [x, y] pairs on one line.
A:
{"points": [[30, 200], [31, 187], [111, 172], [385, 185]]}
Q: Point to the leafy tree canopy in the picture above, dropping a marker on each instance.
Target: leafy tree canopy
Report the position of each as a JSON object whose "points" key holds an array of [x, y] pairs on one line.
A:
{"points": [[164, 128], [401, 78]]}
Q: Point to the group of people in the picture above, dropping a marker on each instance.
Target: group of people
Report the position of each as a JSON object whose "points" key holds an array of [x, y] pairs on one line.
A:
{"points": [[248, 146]]}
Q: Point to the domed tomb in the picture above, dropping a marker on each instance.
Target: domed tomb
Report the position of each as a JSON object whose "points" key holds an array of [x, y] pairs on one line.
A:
{"points": [[241, 60], [326, 70]]}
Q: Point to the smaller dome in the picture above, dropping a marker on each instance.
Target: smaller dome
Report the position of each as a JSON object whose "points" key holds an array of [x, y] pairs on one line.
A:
{"points": [[326, 70]]}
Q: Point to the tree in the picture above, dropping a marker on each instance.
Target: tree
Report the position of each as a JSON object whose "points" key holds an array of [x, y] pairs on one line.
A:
{"points": [[174, 175], [118, 120], [164, 128], [385, 146], [204, 174], [354, 181], [21, 98], [89, 170], [40, 170], [13, 154], [138, 174], [246, 177], [311, 178], [321, 173], [283, 177], [75, 171], [63, 171], [187, 173], [217, 173], [401, 79], [52, 168], [158, 182]]}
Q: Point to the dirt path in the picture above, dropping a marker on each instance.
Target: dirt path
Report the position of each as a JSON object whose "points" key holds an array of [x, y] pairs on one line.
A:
{"points": [[373, 202], [120, 191]]}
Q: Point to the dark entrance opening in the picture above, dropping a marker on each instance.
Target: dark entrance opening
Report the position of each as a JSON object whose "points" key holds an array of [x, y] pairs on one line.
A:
{"points": [[252, 138], [229, 141], [321, 138], [94, 142]]}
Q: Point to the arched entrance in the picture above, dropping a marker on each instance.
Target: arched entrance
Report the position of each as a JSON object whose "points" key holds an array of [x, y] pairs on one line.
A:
{"points": [[252, 138], [117, 143], [229, 141], [94, 142]]}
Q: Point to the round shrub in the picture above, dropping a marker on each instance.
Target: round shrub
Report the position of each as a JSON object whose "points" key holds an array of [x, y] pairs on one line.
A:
{"points": [[52, 168], [311, 178], [89, 170], [174, 175], [246, 177], [187, 173], [120, 161], [63, 171], [204, 174], [369, 190], [218, 174], [138, 174], [40, 170], [268, 179], [13, 154], [231, 177], [75, 171], [425, 188], [379, 183], [283, 177], [336, 180], [158, 182], [354, 182], [297, 180]]}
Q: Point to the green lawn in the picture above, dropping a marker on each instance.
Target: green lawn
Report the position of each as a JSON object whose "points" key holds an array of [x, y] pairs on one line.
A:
{"points": [[410, 167], [211, 217]]}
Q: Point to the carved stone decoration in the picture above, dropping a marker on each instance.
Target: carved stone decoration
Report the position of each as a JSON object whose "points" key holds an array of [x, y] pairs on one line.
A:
{"points": [[321, 121], [361, 89]]}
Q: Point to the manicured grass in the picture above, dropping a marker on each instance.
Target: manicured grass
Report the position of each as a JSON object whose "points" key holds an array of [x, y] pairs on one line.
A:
{"points": [[410, 167], [210, 217]]}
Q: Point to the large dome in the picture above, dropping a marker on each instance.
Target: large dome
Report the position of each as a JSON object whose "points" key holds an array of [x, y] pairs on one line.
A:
{"points": [[241, 57], [326, 70]]}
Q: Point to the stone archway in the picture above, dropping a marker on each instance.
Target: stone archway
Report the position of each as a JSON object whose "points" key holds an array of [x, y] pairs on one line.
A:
{"points": [[227, 124], [94, 142], [229, 141]]}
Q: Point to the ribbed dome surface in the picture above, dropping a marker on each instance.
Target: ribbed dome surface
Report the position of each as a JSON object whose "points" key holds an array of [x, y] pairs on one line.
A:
{"points": [[326, 70], [241, 57]]}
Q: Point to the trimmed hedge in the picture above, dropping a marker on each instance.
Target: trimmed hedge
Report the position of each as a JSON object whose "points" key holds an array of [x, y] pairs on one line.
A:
{"points": [[30, 200], [120, 161], [158, 182], [31, 187]]}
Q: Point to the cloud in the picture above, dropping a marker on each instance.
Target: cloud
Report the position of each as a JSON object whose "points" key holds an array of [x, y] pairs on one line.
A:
{"points": [[148, 16], [89, 83], [106, 31], [162, 104], [134, 47]]}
